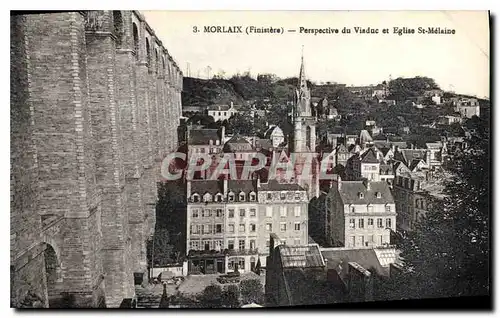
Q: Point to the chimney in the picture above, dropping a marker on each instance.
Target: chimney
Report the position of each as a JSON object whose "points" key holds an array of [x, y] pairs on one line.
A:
{"points": [[231, 104], [224, 188], [223, 133], [258, 181], [366, 183], [188, 188], [339, 182]]}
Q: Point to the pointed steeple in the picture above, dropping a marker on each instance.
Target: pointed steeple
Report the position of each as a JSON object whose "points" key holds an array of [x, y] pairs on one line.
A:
{"points": [[302, 73]]}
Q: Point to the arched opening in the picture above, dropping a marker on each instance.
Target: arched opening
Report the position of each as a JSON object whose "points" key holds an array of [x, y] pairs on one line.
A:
{"points": [[308, 137], [157, 61], [118, 27], [136, 40], [148, 54], [53, 278]]}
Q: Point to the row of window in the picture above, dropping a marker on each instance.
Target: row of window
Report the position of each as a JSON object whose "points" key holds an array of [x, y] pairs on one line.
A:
{"points": [[369, 208], [285, 196], [361, 223], [210, 150], [296, 226], [208, 245], [367, 240], [284, 211], [195, 213], [219, 228], [219, 197]]}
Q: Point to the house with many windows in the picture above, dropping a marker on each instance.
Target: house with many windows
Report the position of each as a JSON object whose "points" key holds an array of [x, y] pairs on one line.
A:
{"points": [[229, 222], [360, 214]]}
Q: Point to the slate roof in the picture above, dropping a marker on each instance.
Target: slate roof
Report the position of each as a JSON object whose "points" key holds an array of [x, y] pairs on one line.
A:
{"points": [[410, 154], [350, 190], [237, 143], [237, 186], [274, 185], [264, 143], [339, 259], [305, 256], [369, 157], [202, 136], [386, 169], [203, 186]]}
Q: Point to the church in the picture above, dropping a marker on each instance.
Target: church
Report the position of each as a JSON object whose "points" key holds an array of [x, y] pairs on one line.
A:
{"points": [[303, 136]]}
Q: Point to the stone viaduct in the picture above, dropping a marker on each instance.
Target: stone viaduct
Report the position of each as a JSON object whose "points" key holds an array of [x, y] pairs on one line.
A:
{"points": [[95, 105]]}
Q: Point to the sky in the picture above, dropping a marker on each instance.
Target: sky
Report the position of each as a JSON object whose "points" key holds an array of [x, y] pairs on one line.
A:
{"points": [[458, 62]]}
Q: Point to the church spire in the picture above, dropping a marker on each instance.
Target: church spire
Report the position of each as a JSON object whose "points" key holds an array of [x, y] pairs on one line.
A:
{"points": [[302, 74]]}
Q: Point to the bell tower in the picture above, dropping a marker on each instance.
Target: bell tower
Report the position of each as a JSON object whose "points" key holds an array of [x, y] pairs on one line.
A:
{"points": [[304, 131]]}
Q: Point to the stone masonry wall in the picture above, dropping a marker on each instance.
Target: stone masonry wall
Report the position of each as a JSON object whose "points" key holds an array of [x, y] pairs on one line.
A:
{"points": [[91, 118]]}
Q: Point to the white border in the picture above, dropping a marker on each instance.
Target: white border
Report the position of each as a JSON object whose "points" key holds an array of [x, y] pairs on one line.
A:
{"points": [[198, 5]]}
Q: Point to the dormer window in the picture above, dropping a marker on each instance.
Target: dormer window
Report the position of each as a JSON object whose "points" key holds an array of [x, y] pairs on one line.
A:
{"points": [[242, 196], [361, 195], [230, 197], [253, 197], [379, 195], [207, 197], [218, 197], [283, 195], [297, 195], [196, 197]]}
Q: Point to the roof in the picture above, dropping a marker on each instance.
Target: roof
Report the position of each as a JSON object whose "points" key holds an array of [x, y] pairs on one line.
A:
{"points": [[414, 163], [203, 186], [238, 186], [386, 169], [271, 130], [410, 154], [274, 185], [350, 193], [342, 149], [364, 136], [219, 107], [202, 136], [264, 143], [340, 258], [369, 156], [305, 256], [237, 143]]}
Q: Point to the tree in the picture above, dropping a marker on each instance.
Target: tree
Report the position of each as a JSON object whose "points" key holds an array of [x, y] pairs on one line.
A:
{"points": [[251, 291], [448, 253], [212, 297], [231, 296], [238, 123]]}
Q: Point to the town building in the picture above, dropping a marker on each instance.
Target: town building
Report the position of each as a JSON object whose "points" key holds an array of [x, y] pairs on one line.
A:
{"points": [[328, 275], [242, 149], [204, 141], [221, 112], [276, 135], [360, 213], [467, 107], [235, 217], [449, 120], [414, 194]]}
